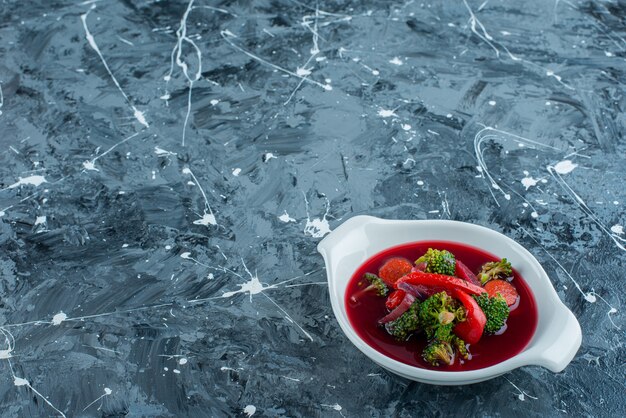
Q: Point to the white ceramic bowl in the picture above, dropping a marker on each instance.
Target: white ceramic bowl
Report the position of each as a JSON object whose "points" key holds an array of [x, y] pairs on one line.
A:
{"points": [[556, 339]]}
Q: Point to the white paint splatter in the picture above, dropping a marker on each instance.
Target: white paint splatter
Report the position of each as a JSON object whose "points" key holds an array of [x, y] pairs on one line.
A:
{"points": [[161, 151], [182, 361], [18, 381], [252, 287], [565, 166], [489, 133], [226, 35], [268, 156], [176, 371], [10, 344], [406, 126], [396, 61], [92, 42], [521, 395], [140, 116], [286, 218], [249, 410], [40, 220], [386, 113], [107, 392], [236, 172], [176, 57], [224, 369], [206, 220], [619, 241], [303, 72], [31, 180], [58, 318], [528, 182], [90, 165], [336, 406], [618, 229], [317, 227], [214, 102], [492, 102]]}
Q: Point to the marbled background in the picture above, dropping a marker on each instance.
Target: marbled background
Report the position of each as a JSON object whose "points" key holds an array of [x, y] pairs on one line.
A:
{"points": [[168, 167]]}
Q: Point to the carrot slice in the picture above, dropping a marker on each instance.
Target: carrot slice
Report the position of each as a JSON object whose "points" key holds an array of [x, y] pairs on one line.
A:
{"points": [[393, 269], [506, 289]]}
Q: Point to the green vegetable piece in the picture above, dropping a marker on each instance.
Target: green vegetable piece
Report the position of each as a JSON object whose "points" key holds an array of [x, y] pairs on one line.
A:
{"points": [[402, 328], [460, 347], [438, 261], [377, 284], [438, 353], [496, 310], [438, 314], [495, 270]]}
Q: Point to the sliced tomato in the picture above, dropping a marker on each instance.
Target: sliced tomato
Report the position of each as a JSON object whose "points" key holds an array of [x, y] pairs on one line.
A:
{"points": [[504, 288], [394, 269]]}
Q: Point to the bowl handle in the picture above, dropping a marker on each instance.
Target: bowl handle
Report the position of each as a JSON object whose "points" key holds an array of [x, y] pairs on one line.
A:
{"points": [[560, 352], [326, 244]]}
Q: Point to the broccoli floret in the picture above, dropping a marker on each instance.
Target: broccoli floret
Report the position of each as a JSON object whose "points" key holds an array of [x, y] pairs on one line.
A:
{"points": [[460, 347], [377, 284], [438, 261], [443, 332], [404, 326], [496, 310], [438, 313], [438, 352], [495, 270]]}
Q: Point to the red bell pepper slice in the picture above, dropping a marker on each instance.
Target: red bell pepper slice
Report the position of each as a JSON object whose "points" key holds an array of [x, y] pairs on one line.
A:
{"points": [[440, 281], [465, 273], [472, 328], [394, 299]]}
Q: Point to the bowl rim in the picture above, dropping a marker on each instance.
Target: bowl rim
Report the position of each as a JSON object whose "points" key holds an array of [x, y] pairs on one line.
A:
{"points": [[530, 354]]}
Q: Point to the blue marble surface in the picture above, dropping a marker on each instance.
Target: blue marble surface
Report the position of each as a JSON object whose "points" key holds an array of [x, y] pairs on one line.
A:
{"points": [[168, 167]]}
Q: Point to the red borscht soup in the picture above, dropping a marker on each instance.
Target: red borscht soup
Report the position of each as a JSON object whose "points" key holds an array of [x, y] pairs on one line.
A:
{"points": [[366, 305]]}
